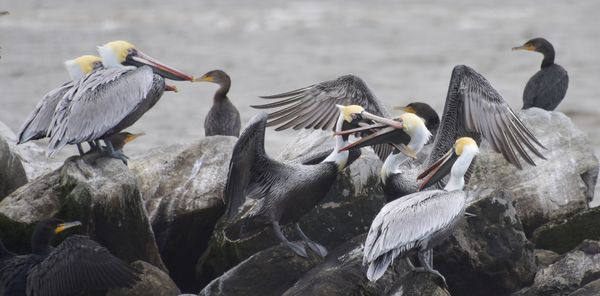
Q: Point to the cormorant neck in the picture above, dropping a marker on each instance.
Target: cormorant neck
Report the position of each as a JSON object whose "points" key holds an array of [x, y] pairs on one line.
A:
{"points": [[459, 169], [340, 158], [548, 52], [223, 90], [40, 241]]}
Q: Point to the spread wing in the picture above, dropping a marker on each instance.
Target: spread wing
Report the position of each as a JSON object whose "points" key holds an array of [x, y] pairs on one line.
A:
{"points": [[79, 264], [403, 223], [98, 104], [251, 170], [474, 108], [313, 107], [37, 124]]}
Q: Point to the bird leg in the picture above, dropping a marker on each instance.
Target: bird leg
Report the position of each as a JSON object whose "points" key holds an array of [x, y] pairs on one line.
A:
{"points": [[97, 141], [80, 149], [426, 260], [297, 247], [318, 248], [110, 151]]}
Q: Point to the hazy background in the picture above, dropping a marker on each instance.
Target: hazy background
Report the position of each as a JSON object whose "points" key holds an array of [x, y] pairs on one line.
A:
{"points": [[404, 50]]}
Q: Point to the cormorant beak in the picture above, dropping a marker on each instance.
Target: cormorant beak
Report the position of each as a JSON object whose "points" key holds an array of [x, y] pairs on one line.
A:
{"points": [[527, 47], [172, 88], [206, 78], [132, 137], [438, 170], [64, 226], [140, 59], [406, 109]]}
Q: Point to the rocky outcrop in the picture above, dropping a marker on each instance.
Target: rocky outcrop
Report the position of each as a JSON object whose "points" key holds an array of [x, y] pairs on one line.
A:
{"points": [[345, 212], [575, 270], [153, 281], [489, 254], [591, 289], [98, 191], [182, 188], [562, 236], [544, 258], [12, 173], [269, 272], [569, 173]]}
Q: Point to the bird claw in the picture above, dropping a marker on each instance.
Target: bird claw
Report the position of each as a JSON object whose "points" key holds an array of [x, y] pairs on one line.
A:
{"points": [[298, 248], [118, 155], [318, 248]]}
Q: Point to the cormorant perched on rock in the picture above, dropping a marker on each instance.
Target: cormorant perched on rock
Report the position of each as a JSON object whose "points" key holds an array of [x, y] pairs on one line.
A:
{"points": [[546, 88], [78, 264], [223, 118]]}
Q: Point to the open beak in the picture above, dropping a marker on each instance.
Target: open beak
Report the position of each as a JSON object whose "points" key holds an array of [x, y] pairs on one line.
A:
{"points": [[159, 68], [438, 170], [64, 226], [524, 47], [172, 88], [132, 137]]}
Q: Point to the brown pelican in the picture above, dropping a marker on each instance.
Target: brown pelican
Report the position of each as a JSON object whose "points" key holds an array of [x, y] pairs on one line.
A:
{"points": [[422, 220], [423, 110], [110, 100], [37, 123], [77, 265], [223, 117], [284, 192], [548, 87], [473, 108]]}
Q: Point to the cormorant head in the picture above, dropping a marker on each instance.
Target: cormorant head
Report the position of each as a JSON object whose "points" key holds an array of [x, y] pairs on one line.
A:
{"points": [[119, 140], [82, 66], [540, 45], [45, 231], [215, 76], [456, 161], [120, 53], [423, 110]]}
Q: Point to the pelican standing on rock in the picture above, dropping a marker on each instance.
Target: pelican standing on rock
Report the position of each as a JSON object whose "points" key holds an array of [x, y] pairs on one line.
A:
{"points": [[223, 118], [422, 220], [548, 87], [284, 192], [37, 124], [112, 99]]}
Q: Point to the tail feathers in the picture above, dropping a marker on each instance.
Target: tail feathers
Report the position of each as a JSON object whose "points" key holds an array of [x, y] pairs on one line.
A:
{"points": [[378, 267]]}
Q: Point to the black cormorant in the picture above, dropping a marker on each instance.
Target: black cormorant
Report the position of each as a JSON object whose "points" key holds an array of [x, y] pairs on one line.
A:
{"points": [[223, 118], [548, 87], [78, 264]]}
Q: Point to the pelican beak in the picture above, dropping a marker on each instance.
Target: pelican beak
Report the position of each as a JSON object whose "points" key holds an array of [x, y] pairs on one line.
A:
{"points": [[64, 226], [389, 122], [527, 47], [438, 170], [139, 59], [373, 139], [206, 78], [132, 137], [172, 88]]}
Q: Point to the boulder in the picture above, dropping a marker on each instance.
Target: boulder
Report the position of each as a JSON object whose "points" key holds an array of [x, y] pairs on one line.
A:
{"points": [[544, 258], [569, 173], [269, 272], [98, 191], [591, 289], [182, 188], [563, 236], [12, 173], [345, 212], [574, 270], [489, 253], [153, 281]]}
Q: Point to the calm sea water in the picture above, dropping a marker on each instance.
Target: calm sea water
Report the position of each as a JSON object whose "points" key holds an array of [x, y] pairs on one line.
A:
{"points": [[404, 50]]}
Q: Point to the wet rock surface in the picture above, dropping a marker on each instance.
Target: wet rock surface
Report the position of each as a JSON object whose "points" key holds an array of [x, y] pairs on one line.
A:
{"points": [[563, 235], [153, 281], [554, 188], [573, 271], [268, 272], [182, 188]]}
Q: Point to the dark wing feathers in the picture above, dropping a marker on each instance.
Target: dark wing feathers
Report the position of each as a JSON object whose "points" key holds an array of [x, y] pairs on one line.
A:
{"points": [[251, 171], [98, 104], [79, 264], [474, 108]]}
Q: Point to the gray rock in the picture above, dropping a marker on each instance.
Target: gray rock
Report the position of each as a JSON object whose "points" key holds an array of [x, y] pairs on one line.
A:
{"points": [[488, 254], [12, 173], [418, 284], [182, 188], [562, 236], [153, 281], [591, 289], [345, 212], [573, 271], [269, 272], [544, 258], [568, 175], [102, 194]]}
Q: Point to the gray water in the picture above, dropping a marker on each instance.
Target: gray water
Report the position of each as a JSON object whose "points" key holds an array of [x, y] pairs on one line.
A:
{"points": [[404, 50]]}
